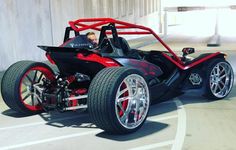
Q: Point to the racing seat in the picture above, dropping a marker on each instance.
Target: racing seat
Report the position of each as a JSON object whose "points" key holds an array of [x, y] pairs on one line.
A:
{"points": [[118, 45], [131, 53], [124, 45]]}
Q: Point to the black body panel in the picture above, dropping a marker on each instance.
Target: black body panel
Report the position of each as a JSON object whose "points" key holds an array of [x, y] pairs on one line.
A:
{"points": [[65, 49], [69, 64], [150, 70]]}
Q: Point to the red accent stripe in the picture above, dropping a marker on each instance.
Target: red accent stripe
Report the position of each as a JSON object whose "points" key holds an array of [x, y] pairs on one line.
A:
{"points": [[182, 67], [50, 59], [107, 62]]}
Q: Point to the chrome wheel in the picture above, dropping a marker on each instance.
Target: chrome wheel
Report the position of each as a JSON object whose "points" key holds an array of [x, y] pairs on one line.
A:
{"points": [[221, 79], [132, 101]]}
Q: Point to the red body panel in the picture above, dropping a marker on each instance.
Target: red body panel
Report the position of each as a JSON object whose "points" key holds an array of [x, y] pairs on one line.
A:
{"points": [[183, 67], [107, 62]]}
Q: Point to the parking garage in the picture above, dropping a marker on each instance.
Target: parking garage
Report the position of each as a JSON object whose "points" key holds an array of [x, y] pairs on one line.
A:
{"points": [[189, 121]]}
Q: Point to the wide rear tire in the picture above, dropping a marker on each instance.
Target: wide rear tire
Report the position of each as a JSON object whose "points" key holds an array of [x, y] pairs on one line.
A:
{"points": [[17, 85], [118, 100]]}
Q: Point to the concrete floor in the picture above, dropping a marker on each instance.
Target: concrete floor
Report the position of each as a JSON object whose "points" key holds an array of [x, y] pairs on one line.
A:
{"points": [[188, 122]]}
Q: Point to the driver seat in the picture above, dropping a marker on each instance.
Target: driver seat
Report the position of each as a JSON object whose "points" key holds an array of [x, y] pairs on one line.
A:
{"points": [[132, 53], [124, 45]]}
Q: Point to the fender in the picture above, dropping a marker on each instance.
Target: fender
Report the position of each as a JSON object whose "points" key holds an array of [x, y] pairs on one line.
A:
{"points": [[150, 70]]}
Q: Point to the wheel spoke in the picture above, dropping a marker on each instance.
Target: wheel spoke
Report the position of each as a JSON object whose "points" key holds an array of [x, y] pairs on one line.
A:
{"points": [[127, 112], [142, 110], [223, 70], [229, 71], [122, 92], [212, 85], [121, 107], [25, 90], [219, 87], [35, 76], [218, 69], [32, 99], [30, 80], [123, 99], [24, 82], [40, 77], [28, 95], [222, 83], [136, 87], [137, 108], [124, 118], [215, 88], [133, 86], [223, 76], [214, 72]]}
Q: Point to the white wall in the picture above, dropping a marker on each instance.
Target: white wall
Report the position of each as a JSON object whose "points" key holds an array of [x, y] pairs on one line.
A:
{"points": [[24, 24]]}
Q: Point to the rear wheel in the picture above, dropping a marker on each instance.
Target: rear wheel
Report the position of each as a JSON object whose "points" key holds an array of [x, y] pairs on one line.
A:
{"points": [[18, 85], [220, 79], [118, 100]]}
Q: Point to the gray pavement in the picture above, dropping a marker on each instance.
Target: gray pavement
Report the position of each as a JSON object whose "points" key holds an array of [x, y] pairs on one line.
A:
{"points": [[187, 122]]}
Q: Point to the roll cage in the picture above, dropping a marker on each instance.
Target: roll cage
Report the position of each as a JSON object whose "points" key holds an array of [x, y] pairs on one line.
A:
{"points": [[98, 23]]}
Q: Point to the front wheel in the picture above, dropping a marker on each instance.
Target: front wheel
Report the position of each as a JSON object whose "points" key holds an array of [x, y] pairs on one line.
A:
{"points": [[118, 100], [220, 79], [18, 82]]}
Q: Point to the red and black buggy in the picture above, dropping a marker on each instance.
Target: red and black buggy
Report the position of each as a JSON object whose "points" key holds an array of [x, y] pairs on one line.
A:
{"points": [[115, 82]]}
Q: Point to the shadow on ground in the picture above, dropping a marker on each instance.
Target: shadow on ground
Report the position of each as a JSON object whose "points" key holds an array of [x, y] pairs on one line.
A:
{"points": [[147, 129], [81, 119]]}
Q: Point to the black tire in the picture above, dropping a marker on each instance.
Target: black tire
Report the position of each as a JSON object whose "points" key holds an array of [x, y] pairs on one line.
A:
{"points": [[214, 88], [102, 96], [12, 83]]}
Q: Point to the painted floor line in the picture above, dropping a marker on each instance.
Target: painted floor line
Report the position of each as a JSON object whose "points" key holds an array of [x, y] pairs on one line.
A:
{"points": [[181, 126], [49, 140], [39, 123], [162, 118], [154, 146], [82, 134], [30, 143], [68, 118]]}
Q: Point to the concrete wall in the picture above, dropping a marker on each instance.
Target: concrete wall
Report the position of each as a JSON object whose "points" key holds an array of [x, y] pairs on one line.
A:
{"points": [[24, 24]]}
